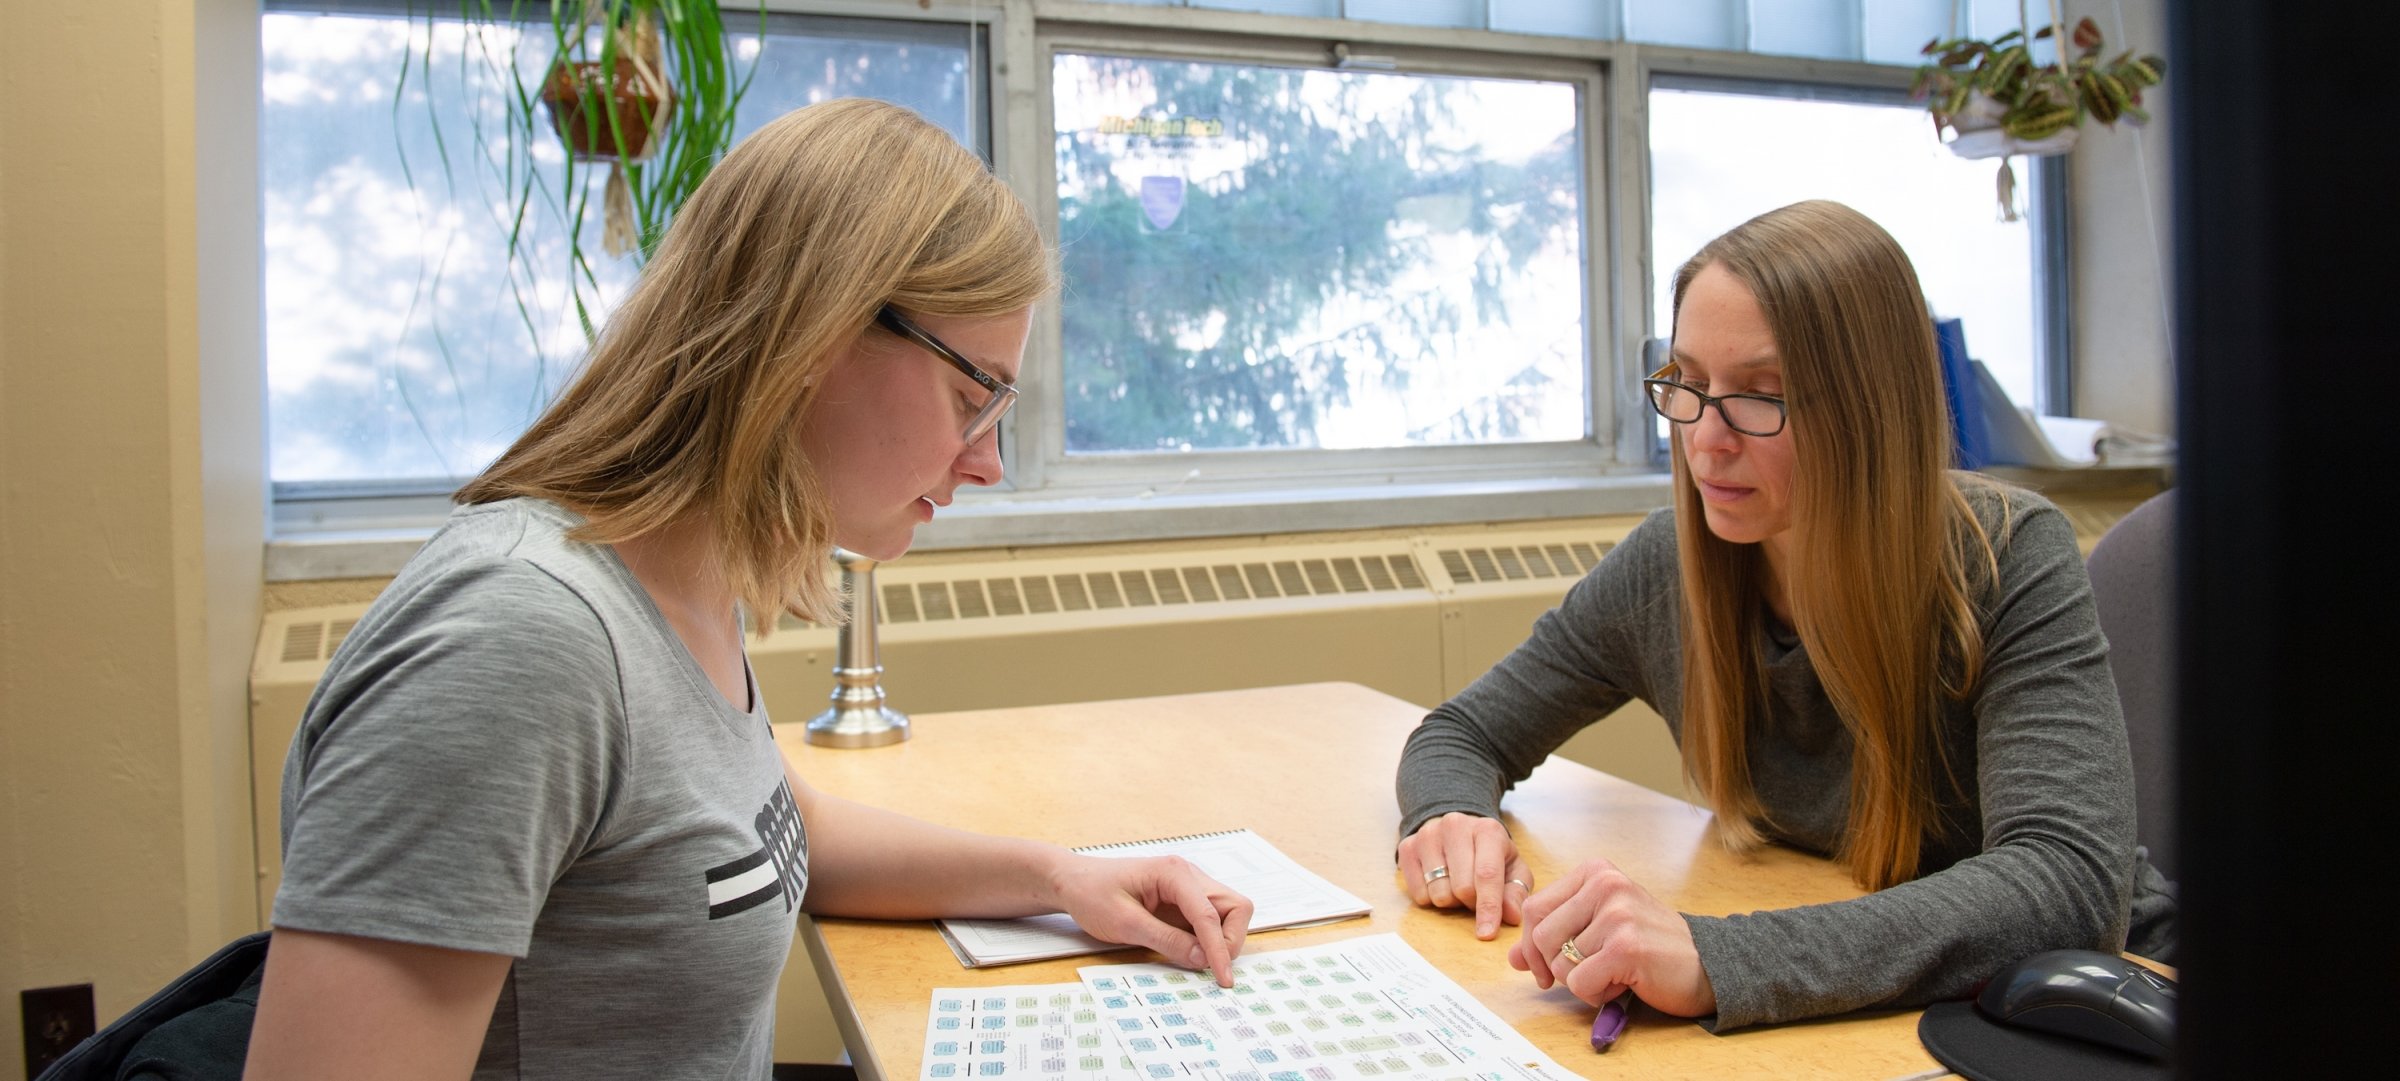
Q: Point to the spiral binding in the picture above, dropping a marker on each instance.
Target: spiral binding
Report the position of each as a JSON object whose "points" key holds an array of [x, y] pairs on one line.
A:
{"points": [[1162, 841]]}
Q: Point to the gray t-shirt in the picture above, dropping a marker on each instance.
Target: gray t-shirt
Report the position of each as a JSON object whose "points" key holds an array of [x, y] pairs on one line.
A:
{"points": [[2038, 854], [513, 753]]}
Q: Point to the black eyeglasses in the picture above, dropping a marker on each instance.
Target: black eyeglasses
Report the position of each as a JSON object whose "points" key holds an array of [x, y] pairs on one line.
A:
{"points": [[1003, 395], [1749, 414]]}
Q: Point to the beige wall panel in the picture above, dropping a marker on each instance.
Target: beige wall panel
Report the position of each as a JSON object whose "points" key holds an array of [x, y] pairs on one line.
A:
{"points": [[130, 513], [804, 1028], [928, 668], [1632, 743], [2122, 239], [221, 452]]}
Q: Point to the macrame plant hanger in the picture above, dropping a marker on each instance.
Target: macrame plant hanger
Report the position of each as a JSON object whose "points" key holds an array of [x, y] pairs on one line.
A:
{"points": [[638, 44], [2006, 180]]}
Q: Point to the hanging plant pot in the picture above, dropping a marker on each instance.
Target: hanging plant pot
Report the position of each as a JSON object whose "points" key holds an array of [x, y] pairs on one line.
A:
{"points": [[608, 116], [1998, 143], [1994, 100], [1981, 129]]}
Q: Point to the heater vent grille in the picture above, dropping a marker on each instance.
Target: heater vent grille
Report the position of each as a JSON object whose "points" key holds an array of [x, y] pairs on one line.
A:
{"points": [[1184, 582]]}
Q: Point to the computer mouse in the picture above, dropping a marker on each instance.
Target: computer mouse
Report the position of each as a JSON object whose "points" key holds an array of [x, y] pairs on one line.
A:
{"points": [[2086, 995]]}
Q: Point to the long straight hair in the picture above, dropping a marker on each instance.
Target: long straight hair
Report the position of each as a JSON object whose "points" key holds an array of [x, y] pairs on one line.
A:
{"points": [[695, 396], [1889, 558]]}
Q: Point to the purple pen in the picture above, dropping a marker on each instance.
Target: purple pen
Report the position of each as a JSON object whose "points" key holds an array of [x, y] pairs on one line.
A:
{"points": [[1611, 1022]]}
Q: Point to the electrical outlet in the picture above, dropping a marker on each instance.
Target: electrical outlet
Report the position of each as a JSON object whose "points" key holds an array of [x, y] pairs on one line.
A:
{"points": [[56, 1019]]}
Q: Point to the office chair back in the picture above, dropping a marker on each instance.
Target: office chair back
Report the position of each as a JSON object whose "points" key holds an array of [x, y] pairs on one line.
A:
{"points": [[2133, 584]]}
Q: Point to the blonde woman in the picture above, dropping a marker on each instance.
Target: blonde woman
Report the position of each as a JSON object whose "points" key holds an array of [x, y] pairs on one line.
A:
{"points": [[534, 822], [1860, 653]]}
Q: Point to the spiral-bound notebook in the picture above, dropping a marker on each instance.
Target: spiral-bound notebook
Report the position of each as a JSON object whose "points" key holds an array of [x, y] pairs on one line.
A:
{"points": [[1285, 893]]}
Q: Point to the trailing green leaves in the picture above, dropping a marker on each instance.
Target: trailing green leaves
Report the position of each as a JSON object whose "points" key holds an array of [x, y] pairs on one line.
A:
{"points": [[647, 87], [2033, 101]]}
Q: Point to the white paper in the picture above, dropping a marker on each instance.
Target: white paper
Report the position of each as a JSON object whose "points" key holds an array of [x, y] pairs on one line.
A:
{"points": [[1285, 893], [1366, 1007], [1030, 1032], [2075, 439], [2018, 437]]}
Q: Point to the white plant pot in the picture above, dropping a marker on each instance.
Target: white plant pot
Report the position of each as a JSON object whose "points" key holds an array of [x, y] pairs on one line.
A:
{"points": [[1982, 112], [1997, 143]]}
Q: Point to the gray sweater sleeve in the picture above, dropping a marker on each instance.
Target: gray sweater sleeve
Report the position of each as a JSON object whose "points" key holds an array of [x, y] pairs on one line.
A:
{"points": [[1579, 665], [2053, 785], [2046, 774]]}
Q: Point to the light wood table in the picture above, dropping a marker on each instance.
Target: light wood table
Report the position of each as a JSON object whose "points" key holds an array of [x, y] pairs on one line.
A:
{"points": [[1310, 768]]}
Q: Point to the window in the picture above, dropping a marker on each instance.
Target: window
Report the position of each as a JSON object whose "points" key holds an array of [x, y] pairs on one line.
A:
{"points": [[1722, 151], [1393, 279], [1277, 257], [405, 349]]}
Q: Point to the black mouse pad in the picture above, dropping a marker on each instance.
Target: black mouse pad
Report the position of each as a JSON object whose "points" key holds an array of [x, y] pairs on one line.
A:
{"points": [[1981, 1049]]}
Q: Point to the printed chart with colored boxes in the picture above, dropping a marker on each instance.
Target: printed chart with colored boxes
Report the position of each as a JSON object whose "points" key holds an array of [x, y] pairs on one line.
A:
{"points": [[1363, 1008], [1027, 1031]]}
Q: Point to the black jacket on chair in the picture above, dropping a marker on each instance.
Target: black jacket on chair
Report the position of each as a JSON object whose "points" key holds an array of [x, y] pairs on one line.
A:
{"points": [[197, 1028]]}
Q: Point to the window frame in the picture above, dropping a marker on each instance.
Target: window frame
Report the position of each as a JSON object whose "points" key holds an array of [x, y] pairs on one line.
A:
{"points": [[2044, 181], [1048, 499], [304, 514], [1038, 464]]}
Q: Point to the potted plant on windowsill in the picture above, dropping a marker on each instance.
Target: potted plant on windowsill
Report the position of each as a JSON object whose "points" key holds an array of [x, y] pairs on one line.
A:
{"points": [[1993, 100]]}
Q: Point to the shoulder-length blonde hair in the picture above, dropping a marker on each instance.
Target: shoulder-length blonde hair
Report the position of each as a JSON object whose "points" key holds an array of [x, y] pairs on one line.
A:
{"points": [[1889, 558], [693, 400]]}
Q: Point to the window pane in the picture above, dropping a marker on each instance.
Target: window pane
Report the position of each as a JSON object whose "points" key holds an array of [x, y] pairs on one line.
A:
{"points": [[1417, 12], [1719, 158], [924, 66], [401, 341], [1323, 9], [1573, 18], [1701, 24], [1279, 257], [1897, 29], [1822, 28]]}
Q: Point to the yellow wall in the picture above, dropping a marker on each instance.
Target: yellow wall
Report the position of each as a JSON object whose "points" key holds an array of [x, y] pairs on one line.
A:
{"points": [[131, 504]]}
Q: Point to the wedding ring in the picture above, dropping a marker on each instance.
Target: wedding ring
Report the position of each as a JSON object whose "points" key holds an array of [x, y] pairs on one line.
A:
{"points": [[1521, 884], [1567, 950], [1436, 873]]}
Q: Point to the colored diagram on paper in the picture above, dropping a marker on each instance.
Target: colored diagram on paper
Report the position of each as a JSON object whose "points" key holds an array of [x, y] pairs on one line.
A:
{"points": [[1034, 1032], [1363, 1008]]}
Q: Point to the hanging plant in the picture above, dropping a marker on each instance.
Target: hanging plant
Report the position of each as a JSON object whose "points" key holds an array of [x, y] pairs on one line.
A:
{"points": [[614, 108], [648, 87], [1991, 99]]}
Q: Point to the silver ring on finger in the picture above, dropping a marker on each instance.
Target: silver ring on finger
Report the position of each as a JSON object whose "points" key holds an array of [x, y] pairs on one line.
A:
{"points": [[1436, 875], [1521, 884], [1568, 951]]}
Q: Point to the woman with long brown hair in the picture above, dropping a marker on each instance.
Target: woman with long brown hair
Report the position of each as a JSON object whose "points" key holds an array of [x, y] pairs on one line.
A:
{"points": [[1860, 653], [535, 824]]}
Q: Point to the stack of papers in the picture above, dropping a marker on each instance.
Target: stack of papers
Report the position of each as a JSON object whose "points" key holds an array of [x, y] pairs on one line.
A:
{"points": [[2021, 437], [1285, 893], [1366, 1007]]}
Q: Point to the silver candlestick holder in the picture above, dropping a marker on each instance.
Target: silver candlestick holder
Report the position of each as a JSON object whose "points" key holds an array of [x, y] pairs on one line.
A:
{"points": [[858, 717]]}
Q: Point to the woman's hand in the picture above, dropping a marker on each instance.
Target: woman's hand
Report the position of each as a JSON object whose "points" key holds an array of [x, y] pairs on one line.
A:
{"points": [[1161, 902], [1626, 939], [1459, 860]]}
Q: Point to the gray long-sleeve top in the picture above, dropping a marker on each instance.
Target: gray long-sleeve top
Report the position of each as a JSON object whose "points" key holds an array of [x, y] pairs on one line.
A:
{"points": [[2040, 855]]}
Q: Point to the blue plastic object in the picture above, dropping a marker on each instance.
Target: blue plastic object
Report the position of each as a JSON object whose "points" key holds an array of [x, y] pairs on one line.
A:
{"points": [[1971, 433]]}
